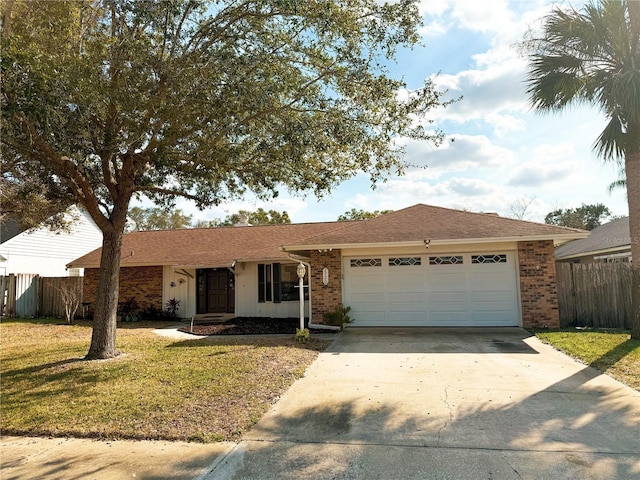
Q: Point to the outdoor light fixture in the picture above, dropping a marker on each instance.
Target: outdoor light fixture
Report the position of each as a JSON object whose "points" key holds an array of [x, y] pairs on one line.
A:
{"points": [[301, 270]]}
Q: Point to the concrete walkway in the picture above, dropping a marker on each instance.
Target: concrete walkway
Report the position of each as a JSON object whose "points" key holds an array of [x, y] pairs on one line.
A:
{"points": [[448, 404], [396, 404], [74, 458]]}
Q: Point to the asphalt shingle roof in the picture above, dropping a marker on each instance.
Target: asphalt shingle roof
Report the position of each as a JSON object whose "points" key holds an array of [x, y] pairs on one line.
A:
{"points": [[211, 247], [218, 247], [424, 222], [605, 237]]}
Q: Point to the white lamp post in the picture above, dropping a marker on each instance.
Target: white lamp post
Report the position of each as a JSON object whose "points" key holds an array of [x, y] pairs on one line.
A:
{"points": [[301, 270]]}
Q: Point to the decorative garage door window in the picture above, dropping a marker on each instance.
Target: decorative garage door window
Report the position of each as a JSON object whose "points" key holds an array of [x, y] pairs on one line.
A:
{"points": [[446, 260], [404, 261], [366, 262], [489, 258]]}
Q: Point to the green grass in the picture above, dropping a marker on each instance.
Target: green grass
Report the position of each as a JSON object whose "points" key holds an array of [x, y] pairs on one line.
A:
{"points": [[610, 351], [159, 388]]}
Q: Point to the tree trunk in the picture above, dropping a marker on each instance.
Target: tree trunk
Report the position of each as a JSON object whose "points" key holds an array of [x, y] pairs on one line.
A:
{"points": [[103, 339], [632, 168]]}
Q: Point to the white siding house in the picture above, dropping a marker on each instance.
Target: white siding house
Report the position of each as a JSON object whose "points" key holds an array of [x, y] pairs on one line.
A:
{"points": [[47, 253]]}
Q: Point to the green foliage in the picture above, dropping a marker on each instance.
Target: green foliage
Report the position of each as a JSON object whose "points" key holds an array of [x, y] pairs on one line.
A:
{"points": [[339, 316], [259, 217], [171, 308], [302, 335], [156, 218], [591, 56], [174, 99], [129, 310], [103, 102], [586, 217], [354, 214]]}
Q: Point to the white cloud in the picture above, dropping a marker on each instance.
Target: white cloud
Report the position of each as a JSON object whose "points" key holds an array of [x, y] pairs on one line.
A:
{"points": [[433, 29], [549, 164], [466, 152], [487, 16], [469, 187], [495, 90], [539, 175], [503, 124]]}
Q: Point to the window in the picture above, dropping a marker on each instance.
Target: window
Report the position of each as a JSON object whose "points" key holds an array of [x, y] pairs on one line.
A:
{"points": [[404, 261], [489, 258], [289, 283], [446, 260], [366, 262], [265, 290], [279, 283]]}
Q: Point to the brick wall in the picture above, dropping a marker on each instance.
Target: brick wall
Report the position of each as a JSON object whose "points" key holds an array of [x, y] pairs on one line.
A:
{"points": [[538, 290], [143, 283], [324, 298]]}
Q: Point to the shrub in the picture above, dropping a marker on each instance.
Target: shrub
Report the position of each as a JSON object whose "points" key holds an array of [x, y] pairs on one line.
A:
{"points": [[171, 308], [302, 335], [339, 316], [129, 309]]}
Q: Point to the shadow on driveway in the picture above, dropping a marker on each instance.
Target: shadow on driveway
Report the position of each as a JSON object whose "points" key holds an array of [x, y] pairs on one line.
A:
{"points": [[432, 340], [444, 404]]}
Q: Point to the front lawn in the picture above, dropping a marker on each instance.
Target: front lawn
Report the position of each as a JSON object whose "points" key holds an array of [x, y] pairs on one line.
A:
{"points": [[160, 388], [610, 351]]}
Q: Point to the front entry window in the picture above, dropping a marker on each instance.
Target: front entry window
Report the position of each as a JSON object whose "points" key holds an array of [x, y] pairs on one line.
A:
{"points": [[278, 282]]}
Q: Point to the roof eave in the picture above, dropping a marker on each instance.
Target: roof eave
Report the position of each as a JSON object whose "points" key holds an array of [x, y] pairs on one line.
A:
{"points": [[557, 240], [620, 248]]}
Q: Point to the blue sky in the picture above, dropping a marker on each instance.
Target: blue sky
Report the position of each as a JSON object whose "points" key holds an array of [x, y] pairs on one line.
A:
{"points": [[503, 154]]}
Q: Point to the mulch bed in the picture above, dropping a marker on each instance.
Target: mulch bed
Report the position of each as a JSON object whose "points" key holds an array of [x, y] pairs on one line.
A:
{"points": [[250, 326]]}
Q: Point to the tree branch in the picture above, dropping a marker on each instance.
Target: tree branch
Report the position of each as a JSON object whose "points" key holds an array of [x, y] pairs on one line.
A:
{"points": [[68, 172]]}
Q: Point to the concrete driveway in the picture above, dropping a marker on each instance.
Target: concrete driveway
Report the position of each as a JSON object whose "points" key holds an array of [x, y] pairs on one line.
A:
{"points": [[443, 404]]}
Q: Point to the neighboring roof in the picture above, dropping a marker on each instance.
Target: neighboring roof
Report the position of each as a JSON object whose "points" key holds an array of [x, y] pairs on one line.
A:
{"points": [[610, 237], [208, 247], [436, 225], [220, 247], [9, 229]]}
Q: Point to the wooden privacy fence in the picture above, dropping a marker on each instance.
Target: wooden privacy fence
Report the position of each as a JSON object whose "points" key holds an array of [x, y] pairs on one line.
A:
{"points": [[594, 294], [27, 295]]}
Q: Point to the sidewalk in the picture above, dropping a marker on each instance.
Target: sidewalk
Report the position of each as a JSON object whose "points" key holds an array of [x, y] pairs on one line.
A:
{"points": [[72, 458]]}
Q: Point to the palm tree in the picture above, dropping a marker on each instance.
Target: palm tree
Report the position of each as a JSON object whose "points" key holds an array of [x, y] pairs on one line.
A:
{"points": [[621, 182], [592, 55]]}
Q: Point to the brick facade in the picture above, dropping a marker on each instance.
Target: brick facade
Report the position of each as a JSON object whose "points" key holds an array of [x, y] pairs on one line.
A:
{"points": [[325, 297], [538, 291], [143, 283]]}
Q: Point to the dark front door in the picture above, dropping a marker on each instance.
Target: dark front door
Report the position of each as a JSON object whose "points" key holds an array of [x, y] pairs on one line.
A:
{"points": [[216, 292]]}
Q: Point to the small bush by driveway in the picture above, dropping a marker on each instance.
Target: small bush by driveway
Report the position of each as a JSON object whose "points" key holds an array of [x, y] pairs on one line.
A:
{"points": [[159, 388], [612, 352]]}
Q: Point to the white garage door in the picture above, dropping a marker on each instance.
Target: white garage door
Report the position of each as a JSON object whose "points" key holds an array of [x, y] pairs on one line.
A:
{"points": [[478, 289]]}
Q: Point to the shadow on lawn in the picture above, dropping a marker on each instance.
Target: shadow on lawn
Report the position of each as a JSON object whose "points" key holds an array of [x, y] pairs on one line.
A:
{"points": [[257, 341], [8, 375], [614, 355]]}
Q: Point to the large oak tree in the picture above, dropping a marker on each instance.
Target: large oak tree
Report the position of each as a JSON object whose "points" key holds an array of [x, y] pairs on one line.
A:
{"points": [[592, 55], [105, 100]]}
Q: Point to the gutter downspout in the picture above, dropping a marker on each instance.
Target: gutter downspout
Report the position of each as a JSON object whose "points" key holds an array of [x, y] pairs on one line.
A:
{"points": [[305, 261]]}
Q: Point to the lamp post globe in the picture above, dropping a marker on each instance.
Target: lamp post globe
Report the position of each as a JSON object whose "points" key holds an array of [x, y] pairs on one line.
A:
{"points": [[301, 270]]}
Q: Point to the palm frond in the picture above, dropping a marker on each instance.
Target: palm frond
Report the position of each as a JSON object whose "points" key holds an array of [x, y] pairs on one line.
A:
{"points": [[590, 56], [618, 184], [611, 142]]}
